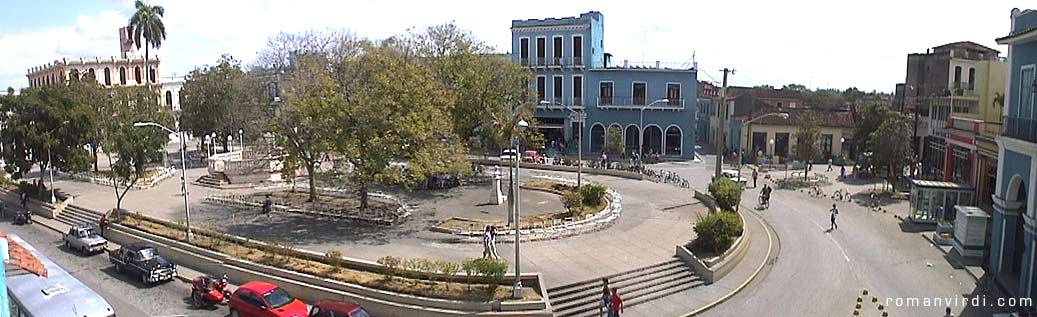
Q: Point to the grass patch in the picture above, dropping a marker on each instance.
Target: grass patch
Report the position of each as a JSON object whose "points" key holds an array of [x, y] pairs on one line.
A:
{"points": [[327, 266], [531, 221]]}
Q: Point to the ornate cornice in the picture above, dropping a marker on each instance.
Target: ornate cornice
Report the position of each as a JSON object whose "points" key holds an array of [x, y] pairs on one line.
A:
{"points": [[552, 28]]}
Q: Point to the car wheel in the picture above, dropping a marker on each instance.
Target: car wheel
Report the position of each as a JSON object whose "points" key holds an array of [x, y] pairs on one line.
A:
{"points": [[68, 246], [234, 313], [144, 279]]}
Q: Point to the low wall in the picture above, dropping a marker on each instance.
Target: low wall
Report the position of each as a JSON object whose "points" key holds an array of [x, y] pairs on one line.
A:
{"points": [[707, 200], [312, 288], [716, 268], [12, 204], [563, 168]]}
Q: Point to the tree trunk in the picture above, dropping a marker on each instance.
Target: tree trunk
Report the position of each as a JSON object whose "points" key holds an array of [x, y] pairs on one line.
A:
{"points": [[115, 184], [93, 151], [312, 175]]}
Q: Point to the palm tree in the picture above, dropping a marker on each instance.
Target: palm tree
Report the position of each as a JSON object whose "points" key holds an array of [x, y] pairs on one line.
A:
{"points": [[147, 21]]}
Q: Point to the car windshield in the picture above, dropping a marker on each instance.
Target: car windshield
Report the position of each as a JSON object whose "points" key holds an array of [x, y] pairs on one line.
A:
{"points": [[359, 312], [90, 233], [147, 253], [277, 298]]}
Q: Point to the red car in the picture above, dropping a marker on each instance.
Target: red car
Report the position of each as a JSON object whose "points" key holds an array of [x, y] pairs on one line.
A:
{"points": [[261, 299], [328, 308]]}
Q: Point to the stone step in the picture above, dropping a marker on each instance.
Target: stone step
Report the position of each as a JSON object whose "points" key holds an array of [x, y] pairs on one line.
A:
{"points": [[594, 290], [560, 291], [640, 295]]}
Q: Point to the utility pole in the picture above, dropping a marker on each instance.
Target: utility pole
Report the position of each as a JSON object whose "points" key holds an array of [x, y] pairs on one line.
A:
{"points": [[722, 139]]}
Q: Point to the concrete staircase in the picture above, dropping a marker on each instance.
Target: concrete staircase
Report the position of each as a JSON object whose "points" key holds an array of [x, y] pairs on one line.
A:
{"points": [[213, 180], [638, 286], [73, 215]]}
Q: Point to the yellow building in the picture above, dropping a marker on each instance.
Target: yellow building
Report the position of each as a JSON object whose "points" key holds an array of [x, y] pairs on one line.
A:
{"points": [[773, 137]]}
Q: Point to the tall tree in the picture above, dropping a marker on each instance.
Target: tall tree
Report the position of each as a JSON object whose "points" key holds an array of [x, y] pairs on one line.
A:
{"points": [[134, 148], [393, 111], [614, 140], [223, 98], [868, 122], [806, 139], [891, 148], [147, 22]]}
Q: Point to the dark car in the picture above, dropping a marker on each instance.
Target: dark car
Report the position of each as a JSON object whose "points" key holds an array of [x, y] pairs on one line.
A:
{"points": [[329, 308], [142, 259]]}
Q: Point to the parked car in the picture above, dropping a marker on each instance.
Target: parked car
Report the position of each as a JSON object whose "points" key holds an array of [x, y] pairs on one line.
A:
{"points": [[261, 299], [733, 175], [329, 308], [507, 155], [142, 259], [84, 239], [531, 156]]}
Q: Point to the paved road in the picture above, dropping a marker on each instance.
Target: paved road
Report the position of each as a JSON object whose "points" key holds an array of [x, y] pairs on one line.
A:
{"points": [[124, 293], [821, 273]]}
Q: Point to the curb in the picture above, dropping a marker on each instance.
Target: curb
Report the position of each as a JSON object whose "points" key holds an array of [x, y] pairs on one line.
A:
{"points": [[955, 262], [732, 293]]}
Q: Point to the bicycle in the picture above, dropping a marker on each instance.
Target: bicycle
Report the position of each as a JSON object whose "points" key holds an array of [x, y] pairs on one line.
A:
{"points": [[841, 194], [816, 191]]}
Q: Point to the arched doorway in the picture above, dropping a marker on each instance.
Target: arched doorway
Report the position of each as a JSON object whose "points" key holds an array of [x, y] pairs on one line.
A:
{"points": [[597, 138], [674, 138], [631, 139], [653, 140], [73, 75], [1017, 192]]}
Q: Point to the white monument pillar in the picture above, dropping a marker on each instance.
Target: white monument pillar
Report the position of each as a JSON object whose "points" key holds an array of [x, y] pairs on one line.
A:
{"points": [[497, 194]]}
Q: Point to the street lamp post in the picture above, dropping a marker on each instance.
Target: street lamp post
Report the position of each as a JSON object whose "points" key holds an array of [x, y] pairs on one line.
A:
{"points": [[641, 126], [213, 138], [183, 168], [522, 124], [241, 139], [580, 117], [208, 146], [50, 168], [230, 142]]}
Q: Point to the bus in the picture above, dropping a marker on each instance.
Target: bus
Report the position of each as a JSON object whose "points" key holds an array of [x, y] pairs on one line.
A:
{"points": [[58, 294]]}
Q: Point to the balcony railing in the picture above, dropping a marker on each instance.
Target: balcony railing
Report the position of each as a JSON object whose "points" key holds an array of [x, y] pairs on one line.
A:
{"points": [[1020, 128], [524, 61], [613, 102], [552, 62]]}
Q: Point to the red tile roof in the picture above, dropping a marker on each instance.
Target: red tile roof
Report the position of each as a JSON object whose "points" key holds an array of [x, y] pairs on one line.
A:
{"points": [[834, 119], [24, 259]]}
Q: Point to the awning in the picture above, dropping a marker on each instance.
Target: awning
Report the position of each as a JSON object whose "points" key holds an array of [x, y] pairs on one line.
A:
{"points": [[550, 126], [940, 184]]}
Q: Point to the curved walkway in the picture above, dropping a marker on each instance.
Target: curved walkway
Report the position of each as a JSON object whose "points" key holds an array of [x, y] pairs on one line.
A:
{"points": [[656, 218]]}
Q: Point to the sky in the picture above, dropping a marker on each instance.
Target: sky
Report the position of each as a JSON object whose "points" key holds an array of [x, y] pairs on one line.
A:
{"points": [[820, 44]]}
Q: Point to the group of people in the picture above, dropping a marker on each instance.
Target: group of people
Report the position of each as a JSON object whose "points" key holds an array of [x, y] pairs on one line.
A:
{"points": [[611, 302], [489, 243], [765, 196]]}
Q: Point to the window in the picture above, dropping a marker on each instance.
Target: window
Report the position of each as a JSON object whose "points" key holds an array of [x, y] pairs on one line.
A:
{"points": [[541, 50], [541, 87], [524, 51], [826, 145], [107, 77], [1025, 106], [91, 73], [639, 93], [557, 50], [558, 88], [957, 77], [578, 50], [673, 94], [972, 78], [136, 74], [122, 75], [577, 90], [169, 98], [151, 75], [605, 93]]}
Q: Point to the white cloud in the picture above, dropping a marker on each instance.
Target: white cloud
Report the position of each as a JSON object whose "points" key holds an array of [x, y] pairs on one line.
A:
{"points": [[812, 42]]}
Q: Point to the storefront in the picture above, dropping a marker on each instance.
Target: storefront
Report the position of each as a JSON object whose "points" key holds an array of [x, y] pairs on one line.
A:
{"points": [[935, 200]]}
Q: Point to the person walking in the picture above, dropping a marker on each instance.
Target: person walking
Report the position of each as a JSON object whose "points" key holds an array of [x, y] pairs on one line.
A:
{"points": [[617, 304], [829, 165], [103, 223], [606, 299], [834, 211], [755, 175], [842, 172], [25, 200], [268, 206], [493, 243], [486, 242]]}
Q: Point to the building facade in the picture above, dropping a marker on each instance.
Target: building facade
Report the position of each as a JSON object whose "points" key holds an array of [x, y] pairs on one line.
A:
{"points": [[1013, 241], [654, 107], [126, 70], [707, 109], [171, 87]]}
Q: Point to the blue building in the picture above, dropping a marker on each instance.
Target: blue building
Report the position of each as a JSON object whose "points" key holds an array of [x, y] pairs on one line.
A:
{"points": [[653, 107], [1013, 229]]}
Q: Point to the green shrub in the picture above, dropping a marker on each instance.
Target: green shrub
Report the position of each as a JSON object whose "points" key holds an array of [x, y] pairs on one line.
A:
{"points": [[592, 194], [726, 192], [392, 266], [334, 259], [717, 230], [573, 202], [449, 269], [491, 270]]}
